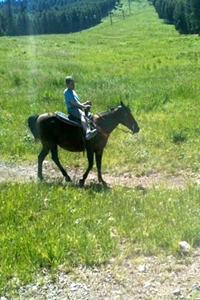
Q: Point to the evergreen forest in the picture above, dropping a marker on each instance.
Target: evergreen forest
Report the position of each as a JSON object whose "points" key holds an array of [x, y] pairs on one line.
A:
{"points": [[184, 14], [30, 17]]}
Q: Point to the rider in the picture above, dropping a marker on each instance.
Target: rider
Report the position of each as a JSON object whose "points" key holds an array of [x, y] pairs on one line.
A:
{"points": [[76, 108]]}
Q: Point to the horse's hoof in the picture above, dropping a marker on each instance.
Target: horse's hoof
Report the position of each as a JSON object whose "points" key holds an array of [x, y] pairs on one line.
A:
{"points": [[81, 183], [68, 179], [102, 182], [105, 185]]}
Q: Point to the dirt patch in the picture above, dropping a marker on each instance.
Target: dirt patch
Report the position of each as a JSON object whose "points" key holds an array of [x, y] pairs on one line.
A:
{"points": [[25, 173]]}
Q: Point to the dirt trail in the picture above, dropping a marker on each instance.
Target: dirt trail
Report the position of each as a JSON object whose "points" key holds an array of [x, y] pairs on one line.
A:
{"points": [[24, 173]]}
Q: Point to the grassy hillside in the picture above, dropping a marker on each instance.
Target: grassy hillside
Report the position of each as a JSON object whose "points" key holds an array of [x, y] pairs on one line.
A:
{"points": [[139, 60], [148, 65]]}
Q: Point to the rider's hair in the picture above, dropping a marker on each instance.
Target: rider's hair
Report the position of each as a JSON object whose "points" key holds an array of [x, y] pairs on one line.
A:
{"points": [[68, 79]]}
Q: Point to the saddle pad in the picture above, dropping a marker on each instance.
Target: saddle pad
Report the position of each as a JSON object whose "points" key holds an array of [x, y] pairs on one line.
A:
{"points": [[64, 118]]}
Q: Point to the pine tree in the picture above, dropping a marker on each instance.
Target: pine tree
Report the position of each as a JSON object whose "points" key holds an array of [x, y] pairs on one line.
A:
{"points": [[193, 12], [10, 21], [180, 18]]}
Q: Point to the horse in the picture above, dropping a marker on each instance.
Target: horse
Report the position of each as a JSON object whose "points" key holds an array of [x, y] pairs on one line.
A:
{"points": [[54, 132]]}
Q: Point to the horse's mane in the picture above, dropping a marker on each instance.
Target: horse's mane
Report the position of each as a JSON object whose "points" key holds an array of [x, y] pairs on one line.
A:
{"points": [[106, 112]]}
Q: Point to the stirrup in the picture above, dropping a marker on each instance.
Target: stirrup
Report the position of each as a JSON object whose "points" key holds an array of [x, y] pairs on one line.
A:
{"points": [[90, 134]]}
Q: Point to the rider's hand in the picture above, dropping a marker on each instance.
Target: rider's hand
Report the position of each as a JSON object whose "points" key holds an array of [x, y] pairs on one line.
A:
{"points": [[88, 103], [87, 107]]}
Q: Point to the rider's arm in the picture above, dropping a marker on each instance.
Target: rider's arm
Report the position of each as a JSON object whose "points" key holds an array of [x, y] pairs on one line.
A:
{"points": [[78, 104]]}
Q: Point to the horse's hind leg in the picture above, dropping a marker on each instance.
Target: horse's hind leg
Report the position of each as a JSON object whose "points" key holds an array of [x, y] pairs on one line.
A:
{"points": [[41, 158], [54, 153]]}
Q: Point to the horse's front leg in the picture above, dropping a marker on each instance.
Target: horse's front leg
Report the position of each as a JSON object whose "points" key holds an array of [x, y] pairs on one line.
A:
{"points": [[98, 164], [90, 157]]}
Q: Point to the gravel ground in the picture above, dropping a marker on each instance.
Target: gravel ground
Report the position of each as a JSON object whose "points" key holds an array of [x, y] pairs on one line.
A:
{"points": [[126, 278]]}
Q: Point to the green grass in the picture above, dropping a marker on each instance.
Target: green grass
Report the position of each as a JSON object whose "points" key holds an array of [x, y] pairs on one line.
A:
{"points": [[139, 60], [148, 65], [45, 226]]}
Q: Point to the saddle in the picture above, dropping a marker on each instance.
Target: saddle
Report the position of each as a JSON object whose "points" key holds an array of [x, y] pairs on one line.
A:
{"points": [[71, 120]]}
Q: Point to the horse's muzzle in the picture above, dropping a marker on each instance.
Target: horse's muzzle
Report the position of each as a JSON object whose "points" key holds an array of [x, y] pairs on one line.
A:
{"points": [[135, 129]]}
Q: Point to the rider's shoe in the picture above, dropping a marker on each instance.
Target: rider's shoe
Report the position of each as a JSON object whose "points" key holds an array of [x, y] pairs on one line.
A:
{"points": [[90, 134]]}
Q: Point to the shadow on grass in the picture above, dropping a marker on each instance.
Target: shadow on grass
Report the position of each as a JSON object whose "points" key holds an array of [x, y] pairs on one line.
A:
{"points": [[93, 186]]}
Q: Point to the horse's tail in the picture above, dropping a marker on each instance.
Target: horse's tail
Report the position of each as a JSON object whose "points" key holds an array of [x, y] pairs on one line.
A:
{"points": [[32, 126]]}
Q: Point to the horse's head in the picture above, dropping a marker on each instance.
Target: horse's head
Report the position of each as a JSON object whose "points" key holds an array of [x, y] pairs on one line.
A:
{"points": [[127, 119]]}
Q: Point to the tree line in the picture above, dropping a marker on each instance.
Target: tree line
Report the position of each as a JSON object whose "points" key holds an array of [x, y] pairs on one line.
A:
{"points": [[184, 14], [30, 17]]}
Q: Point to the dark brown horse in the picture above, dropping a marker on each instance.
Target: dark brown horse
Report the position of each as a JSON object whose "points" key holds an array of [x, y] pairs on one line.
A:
{"points": [[53, 132]]}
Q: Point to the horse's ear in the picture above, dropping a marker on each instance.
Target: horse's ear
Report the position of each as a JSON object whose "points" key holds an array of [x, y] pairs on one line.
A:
{"points": [[122, 104]]}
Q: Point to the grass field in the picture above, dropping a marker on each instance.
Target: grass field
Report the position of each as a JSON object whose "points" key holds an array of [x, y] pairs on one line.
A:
{"points": [[148, 65]]}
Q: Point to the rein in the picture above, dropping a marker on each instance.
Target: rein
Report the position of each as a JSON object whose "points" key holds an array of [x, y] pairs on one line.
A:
{"points": [[101, 115], [105, 134]]}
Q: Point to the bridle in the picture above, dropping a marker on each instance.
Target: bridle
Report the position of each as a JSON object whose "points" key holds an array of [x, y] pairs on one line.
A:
{"points": [[124, 130], [111, 111], [129, 121]]}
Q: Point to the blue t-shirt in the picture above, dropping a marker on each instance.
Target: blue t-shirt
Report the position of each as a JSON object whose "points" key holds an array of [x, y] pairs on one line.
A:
{"points": [[69, 96]]}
